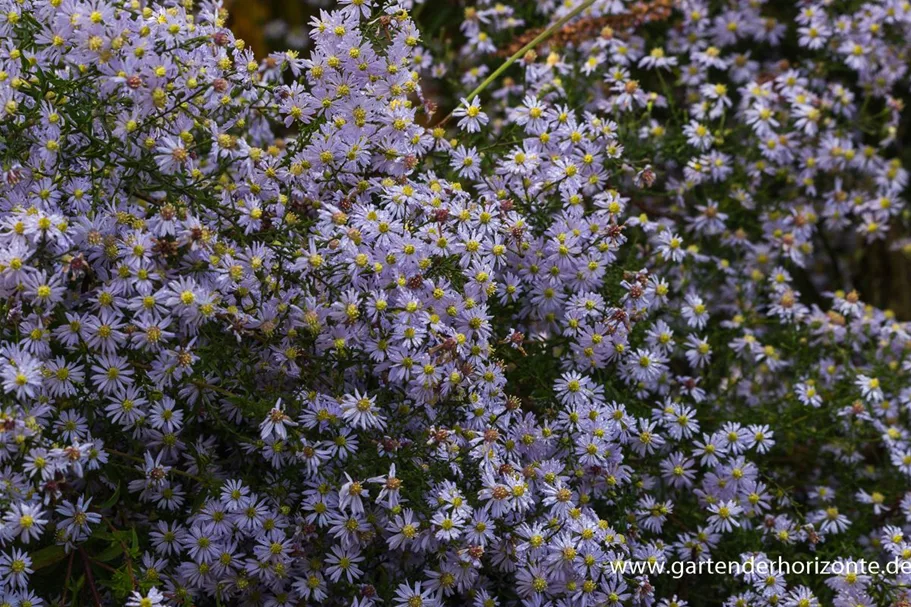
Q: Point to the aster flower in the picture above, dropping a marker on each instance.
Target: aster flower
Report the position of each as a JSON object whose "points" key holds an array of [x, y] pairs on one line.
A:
{"points": [[491, 330], [15, 568], [77, 518], [153, 598], [471, 118], [360, 411], [466, 161], [24, 521], [724, 515], [275, 423]]}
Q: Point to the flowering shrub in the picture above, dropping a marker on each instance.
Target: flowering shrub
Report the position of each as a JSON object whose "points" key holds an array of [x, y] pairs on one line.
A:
{"points": [[457, 313]]}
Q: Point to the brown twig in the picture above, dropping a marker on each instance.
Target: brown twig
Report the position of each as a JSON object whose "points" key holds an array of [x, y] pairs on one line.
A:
{"points": [[66, 580], [90, 578]]}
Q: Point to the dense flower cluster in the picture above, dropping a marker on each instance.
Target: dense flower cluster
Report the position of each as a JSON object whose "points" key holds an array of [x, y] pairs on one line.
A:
{"points": [[278, 332]]}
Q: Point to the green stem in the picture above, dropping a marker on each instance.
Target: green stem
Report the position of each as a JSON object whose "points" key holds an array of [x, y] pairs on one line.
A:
{"points": [[550, 31]]}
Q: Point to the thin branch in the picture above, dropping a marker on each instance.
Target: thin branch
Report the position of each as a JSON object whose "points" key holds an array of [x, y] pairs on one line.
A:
{"points": [[90, 578], [550, 31], [66, 580]]}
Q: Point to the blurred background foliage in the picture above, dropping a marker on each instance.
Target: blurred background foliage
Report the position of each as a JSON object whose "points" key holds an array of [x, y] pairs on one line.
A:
{"points": [[252, 19], [881, 271]]}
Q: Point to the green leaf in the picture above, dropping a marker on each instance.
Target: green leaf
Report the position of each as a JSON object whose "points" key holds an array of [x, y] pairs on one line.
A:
{"points": [[121, 584], [47, 556], [109, 554], [122, 535], [113, 499], [76, 588]]}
